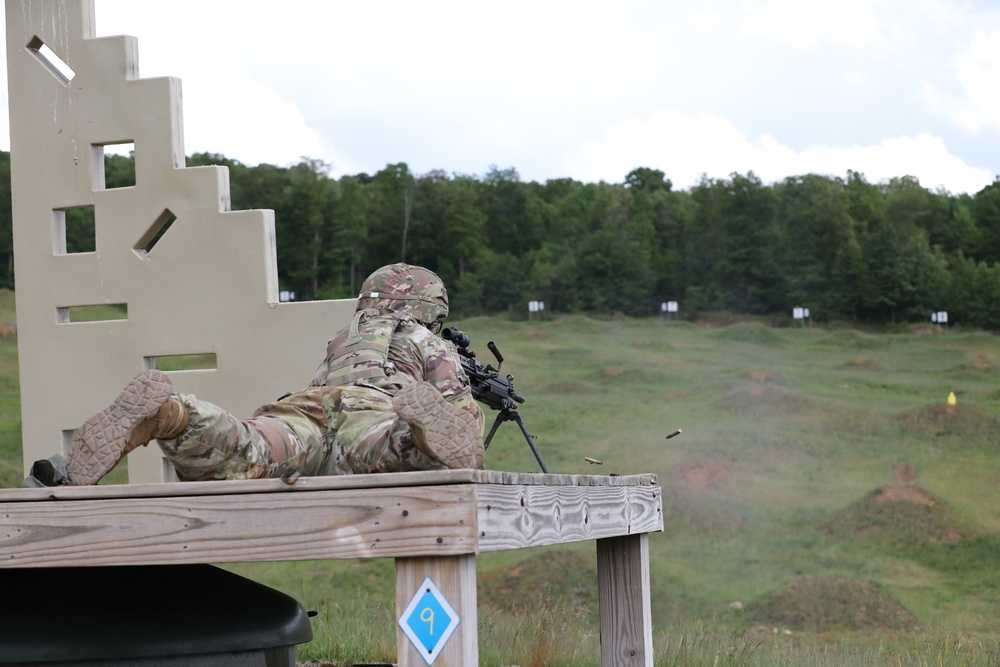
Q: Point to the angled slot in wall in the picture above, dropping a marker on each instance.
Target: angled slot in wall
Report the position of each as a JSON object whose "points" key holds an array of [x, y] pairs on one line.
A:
{"points": [[53, 63], [154, 233]]}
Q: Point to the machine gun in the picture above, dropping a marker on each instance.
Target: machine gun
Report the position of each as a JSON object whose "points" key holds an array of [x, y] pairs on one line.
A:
{"points": [[490, 388]]}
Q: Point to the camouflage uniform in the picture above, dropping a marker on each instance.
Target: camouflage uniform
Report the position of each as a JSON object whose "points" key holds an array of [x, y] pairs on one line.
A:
{"points": [[324, 430], [344, 422]]}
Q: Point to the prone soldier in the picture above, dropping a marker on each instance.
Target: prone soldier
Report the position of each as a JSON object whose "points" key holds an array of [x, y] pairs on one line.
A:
{"points": [[389, 396]]}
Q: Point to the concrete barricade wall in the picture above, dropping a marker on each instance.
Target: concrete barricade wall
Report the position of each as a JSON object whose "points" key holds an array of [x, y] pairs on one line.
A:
{"points": [[190, 276]]}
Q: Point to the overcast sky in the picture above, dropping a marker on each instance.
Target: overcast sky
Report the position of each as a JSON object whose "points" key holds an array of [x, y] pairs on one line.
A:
{"points": [[587, 90]]}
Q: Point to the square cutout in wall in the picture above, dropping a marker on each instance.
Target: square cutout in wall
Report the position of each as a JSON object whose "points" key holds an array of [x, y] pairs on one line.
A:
{"points": [[73, 230], [113, 165]]}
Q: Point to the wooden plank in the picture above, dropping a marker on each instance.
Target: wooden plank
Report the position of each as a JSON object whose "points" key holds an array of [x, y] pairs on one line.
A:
{"points": [[547, 479], [512, 517], [455, 577], [249, 486], [354, 523], [623, 588], [304, 484]]}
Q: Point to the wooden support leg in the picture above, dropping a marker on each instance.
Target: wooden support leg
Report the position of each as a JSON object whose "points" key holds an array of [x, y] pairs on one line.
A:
{"points": [[623, 585], [455, 579]]}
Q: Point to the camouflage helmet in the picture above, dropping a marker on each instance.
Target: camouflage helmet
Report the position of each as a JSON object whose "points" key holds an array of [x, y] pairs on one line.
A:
{"points": [[406, 289]]}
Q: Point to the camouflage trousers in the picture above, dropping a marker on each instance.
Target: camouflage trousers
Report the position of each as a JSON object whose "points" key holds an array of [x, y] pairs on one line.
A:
{"points": [[319, 431]]}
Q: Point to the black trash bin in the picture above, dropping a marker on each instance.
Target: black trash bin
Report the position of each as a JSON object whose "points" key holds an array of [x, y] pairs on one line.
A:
{"points": [[146, 616]]}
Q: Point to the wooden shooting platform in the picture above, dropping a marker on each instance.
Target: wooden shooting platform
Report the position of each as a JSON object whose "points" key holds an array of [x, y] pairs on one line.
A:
{"points": [[432, 523]]}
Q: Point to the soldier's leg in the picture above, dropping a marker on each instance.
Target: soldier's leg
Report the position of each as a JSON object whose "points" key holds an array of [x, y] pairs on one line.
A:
{"points": [[282, 437], [202, 440], [365, 426], [381, 433]]}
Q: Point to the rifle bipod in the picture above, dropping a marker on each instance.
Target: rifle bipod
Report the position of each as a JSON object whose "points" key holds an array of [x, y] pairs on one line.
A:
{"points": [[509, 415]]}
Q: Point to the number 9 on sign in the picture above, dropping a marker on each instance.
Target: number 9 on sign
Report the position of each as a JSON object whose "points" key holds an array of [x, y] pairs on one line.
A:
{"points": [[427, 616], [428, 621]]}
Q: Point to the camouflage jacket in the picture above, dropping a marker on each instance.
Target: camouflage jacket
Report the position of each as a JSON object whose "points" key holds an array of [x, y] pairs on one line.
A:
{"points": [[388, 351]]}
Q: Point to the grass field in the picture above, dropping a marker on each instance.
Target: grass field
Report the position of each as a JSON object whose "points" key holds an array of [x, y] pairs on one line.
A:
{"points": [[824, 505]]}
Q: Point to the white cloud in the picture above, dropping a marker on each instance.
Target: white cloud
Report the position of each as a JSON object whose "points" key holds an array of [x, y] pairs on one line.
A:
{"points": [[808, 24], [924, 156], [685, 146], [225, 105], [545, 86], [977, 74]]}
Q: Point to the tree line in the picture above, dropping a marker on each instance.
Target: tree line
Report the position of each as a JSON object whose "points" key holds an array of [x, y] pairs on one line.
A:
{"points": [[843, 247]]}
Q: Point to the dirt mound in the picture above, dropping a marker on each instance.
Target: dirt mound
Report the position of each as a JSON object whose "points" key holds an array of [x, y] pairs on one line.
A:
{"points": [[898, 516], [579, 324], [703, 474], [763, 399], [833, 603], [762, 376], [618, 374], [854, 339], [982, 365], [752, 332], [534, 334], [862, 364], [649, 345], [964, 419]]}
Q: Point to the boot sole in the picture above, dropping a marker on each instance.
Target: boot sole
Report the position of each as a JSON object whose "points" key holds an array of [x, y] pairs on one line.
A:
{"points": [[446, 434], [102, 441]]}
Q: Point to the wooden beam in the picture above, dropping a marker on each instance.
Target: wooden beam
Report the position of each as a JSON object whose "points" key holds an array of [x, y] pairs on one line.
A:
{"points": [[623, 588], [352, 523], [308, 484], [455, 578], [513, 517]]}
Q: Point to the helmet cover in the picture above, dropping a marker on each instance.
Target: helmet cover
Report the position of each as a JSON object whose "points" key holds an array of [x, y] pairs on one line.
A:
{"points": [[406, 289]]}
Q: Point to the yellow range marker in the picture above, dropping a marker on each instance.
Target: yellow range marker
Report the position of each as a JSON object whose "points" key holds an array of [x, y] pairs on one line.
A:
{"points": [[593, 461]]}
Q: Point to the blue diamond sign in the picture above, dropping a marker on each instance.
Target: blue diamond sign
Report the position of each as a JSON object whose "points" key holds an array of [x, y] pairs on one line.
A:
{"points": [[428, 621]]}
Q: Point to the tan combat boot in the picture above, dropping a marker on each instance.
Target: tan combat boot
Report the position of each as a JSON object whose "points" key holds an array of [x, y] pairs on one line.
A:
{"points": [[442, 431], [144, 411]]}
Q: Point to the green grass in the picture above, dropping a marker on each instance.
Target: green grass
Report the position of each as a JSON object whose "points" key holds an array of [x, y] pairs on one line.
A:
{"points": [[11, 470], [787, 434]]}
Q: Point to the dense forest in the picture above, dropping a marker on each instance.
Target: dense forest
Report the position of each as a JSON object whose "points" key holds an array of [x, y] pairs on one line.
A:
{"points": [[842, 247]]}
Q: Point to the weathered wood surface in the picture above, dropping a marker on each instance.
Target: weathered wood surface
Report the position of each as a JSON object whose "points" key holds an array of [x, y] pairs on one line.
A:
{"points": [[303, 484], [512, 517], [455, 577], [437, 513], [356, 523], [623, 588]]}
